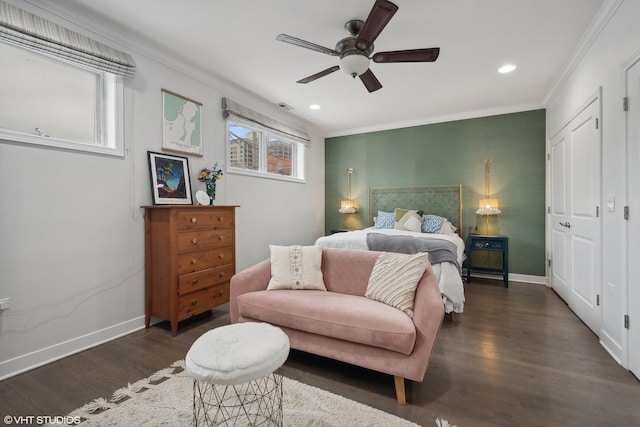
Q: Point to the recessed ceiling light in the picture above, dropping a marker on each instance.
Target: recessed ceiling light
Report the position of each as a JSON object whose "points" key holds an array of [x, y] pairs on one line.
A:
{"points": [[507, 68], [314, 106]]}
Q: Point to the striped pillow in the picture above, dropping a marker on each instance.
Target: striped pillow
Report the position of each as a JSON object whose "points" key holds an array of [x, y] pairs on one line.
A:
{"points": [[394, 279]]}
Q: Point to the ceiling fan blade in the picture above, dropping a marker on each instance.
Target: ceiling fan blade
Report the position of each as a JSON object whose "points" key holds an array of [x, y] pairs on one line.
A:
{"points": [[318, 75], [370, 81], [308, 45], [411, 55], [379, 17]]}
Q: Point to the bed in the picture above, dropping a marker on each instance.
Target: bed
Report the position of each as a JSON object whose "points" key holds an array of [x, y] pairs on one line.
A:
{"points": [[440, 210]]}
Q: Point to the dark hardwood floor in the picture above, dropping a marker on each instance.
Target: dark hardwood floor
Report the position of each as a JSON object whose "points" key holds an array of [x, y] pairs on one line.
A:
{"points": [[515, 357]]}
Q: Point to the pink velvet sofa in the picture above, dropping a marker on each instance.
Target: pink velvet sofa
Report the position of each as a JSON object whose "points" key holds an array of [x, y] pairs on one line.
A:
{"points": [[342, 323]]}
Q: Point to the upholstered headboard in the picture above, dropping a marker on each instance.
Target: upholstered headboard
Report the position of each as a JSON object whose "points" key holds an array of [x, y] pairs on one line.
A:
{"points": [[441, 200]]}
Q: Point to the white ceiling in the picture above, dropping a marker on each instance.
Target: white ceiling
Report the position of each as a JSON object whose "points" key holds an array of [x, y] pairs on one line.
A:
{"points": [[236, 41]]}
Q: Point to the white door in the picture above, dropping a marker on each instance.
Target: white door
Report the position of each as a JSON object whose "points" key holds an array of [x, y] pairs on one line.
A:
{"points": [[633, 231], [584, 221], [576, 262], [560, 234]]}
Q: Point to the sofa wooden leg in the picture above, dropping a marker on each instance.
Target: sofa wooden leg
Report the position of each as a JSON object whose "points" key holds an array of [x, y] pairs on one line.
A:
{"points": [[399, 382]]}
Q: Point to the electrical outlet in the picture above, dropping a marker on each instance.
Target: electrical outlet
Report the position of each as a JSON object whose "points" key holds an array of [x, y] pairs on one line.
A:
{"points": [[4, 304]]}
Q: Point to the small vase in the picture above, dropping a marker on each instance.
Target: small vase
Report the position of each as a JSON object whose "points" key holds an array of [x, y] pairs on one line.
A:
{"points": [[211, 191]]}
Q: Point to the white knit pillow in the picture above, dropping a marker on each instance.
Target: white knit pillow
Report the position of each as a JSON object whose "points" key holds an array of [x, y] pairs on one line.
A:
{"points": [[394, 279], [296, 267]]}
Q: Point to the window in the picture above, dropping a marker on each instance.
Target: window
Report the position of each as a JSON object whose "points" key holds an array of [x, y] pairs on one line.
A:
{"points": [[50, 101], [255, 150]]}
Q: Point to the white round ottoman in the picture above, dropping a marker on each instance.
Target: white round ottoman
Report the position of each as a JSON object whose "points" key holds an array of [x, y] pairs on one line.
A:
{"points": [[233, 369]]}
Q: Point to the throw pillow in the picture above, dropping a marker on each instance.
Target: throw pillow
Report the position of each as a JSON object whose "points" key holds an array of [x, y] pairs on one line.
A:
{"points": [[385, 220], [410, 221], [399, 212], [296, 267], [448, 228], [394, 279], [432, 223]]}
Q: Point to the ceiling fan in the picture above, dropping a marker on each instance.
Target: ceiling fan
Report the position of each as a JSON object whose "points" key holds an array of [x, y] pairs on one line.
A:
{"points": [[354, 50]]}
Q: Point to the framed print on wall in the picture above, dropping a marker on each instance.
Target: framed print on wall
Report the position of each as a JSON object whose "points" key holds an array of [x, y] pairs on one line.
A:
{"points": [[170, 182], [181, 124]]}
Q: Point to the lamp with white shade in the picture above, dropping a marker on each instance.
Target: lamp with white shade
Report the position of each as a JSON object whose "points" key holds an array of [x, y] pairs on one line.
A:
{"points": [[488, 206], [347, 206]]}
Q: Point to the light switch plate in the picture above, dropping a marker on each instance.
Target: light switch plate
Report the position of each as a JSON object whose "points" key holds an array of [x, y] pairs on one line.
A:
{"points": [[611, 203]]}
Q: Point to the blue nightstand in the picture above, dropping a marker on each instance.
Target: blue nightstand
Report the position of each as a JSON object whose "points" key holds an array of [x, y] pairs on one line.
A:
{"points": [[483, 242]]}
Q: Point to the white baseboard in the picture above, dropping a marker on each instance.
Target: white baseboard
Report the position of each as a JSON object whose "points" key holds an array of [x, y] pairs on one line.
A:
{"points": [[614, 349], [526, 278], [513, 277], [26, 362]]}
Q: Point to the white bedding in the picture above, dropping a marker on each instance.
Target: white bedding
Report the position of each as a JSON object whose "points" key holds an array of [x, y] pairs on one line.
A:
{"points": [[447, 273]]}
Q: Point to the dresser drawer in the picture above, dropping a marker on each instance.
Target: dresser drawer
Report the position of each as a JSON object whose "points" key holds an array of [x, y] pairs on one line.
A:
{"points": [[203, 279], [200, 260], [204, 239], [204, 218], [202, 300]]}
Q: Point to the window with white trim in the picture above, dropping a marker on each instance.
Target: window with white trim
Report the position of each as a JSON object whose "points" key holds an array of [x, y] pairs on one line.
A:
{"points": [[256, 150], [53, 102]]}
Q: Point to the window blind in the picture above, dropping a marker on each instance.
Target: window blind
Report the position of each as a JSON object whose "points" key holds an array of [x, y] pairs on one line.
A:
{"points": [[233, 109], [24, 29]]}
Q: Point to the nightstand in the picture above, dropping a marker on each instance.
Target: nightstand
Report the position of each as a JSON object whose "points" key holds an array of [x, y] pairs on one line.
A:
{"points": [[483, 242]]}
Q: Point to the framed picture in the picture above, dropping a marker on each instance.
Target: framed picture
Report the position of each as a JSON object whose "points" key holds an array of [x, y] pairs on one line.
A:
{"points": [[170, 182], [181, 124]]}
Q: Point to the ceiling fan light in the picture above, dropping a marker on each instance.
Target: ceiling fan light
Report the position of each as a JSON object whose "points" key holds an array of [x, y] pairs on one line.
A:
{"points": [[354, 64]]}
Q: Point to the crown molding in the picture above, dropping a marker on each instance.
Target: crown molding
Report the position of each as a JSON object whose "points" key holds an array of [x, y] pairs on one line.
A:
{"points": [[598, 24], [474, 114]]}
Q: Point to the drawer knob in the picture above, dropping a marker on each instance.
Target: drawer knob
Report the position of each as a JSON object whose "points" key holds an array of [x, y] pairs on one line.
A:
{"points": [[194, 219], [486, 244], [194, 241], [194, 302], [221, 218], [194, 282], [220, 293], [222, 274], [220, 237], [193, 261], [221, 256]]}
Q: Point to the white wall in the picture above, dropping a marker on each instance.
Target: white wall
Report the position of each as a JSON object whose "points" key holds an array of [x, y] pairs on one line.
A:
{"points": [[71, 227], [602, 66]]}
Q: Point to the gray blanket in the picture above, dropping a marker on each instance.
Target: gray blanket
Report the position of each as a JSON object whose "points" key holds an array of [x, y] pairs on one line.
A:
{"points": [[437, 249]]}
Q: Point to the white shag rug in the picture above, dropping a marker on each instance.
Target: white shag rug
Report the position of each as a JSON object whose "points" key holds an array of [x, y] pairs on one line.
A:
{"points": [[166, 399]]}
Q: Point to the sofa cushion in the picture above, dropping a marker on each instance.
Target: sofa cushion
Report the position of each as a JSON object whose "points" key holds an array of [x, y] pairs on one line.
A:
{"points": [[394, 279], [346, 317], [296, 267]]}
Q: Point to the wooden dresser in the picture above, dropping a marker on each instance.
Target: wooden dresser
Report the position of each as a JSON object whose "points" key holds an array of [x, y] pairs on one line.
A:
{"points": [[190, 258]]}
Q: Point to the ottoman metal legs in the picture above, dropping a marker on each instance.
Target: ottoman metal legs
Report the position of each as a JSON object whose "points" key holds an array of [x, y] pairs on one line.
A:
{"points": [[234, 375], [254, 403]]}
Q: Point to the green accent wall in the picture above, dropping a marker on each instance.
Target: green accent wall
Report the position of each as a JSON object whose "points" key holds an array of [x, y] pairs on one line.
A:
{"points": [[453, 153]]}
